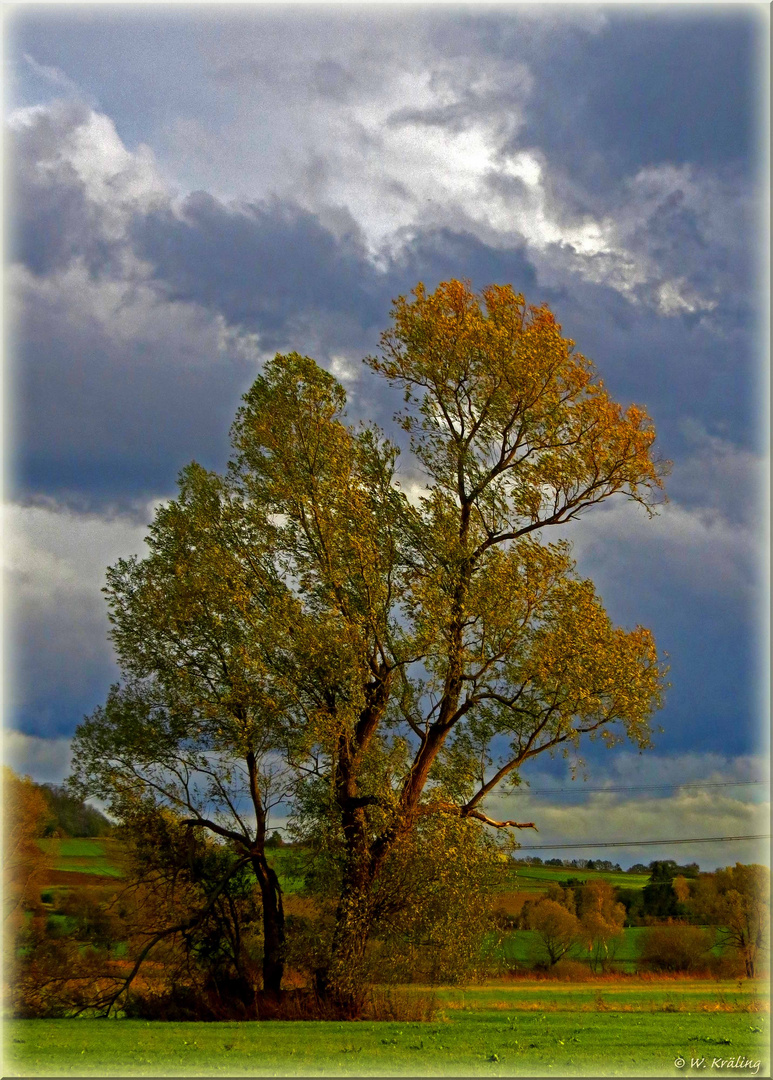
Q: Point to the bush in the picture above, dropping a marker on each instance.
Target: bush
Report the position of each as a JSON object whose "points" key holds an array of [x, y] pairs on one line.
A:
{"points": [[570, 971], [405, 1006], [728, 965], [52, 977], [676, 947], [178, 1003], [188, 1002]]}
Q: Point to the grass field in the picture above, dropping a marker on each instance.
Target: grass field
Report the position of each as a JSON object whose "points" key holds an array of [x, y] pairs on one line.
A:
{"points": [[291, 866], [535, 878], [84, 856], [533, 1029]]}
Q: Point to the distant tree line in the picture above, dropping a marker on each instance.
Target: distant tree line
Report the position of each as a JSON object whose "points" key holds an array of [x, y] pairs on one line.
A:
{"points": [[690, 870], [694, 921], [70, 816]]}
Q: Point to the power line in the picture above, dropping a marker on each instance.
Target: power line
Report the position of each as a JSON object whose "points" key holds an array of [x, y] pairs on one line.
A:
{"points": [[636, 787], [642, 843]]}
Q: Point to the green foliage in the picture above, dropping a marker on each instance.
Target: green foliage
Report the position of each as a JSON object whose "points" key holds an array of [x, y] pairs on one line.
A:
{"points": [[556, 928], [660, 896], [601, 922], [435, 900]]}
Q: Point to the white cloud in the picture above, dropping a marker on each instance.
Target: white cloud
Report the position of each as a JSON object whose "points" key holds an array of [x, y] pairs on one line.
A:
{"points": [[344, 369], [47, 761], [580, 815], [50, 549], [129, 312], [429, 139], [411, 138], [118, 181]]}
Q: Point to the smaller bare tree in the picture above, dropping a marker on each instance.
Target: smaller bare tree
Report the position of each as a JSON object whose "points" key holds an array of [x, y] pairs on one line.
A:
{"points": [[558, 930]]}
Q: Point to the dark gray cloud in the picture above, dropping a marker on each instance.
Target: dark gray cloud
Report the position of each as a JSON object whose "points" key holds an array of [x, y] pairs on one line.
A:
{"points": [[115, 415], [259, 265], [690, 366], [649, 87], [262, 265], [276, 270], [140, 324]]}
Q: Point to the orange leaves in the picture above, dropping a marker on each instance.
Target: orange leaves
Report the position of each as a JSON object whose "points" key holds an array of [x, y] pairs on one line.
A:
{"points": [[25, 813], [510, 418]]}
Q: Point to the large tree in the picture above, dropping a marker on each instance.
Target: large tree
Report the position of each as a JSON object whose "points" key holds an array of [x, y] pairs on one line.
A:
{"points": [[407, 656]]}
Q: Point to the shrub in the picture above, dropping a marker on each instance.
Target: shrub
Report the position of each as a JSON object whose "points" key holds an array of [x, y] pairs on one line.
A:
{"points": [[570, 971], [401, 1005], [676, 947], [728, 965], [236, 1000]]}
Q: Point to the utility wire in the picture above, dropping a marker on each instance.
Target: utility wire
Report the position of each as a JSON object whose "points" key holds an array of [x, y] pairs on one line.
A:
{"points": [[642, 843], [635, 787]]}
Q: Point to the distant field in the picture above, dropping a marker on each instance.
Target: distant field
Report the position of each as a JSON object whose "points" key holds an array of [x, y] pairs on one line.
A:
{"points": [[526, 1030], [85, 856], [291, 866], [521, 947], [534, 877], [292, 863], [103, 856]]}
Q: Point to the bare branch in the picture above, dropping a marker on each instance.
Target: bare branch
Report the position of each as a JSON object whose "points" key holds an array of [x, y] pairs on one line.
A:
{"points": [[500, 824]]}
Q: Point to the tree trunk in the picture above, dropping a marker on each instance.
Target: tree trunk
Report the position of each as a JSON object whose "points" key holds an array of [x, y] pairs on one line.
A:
{"points": [[343, 983], [273, 926]]}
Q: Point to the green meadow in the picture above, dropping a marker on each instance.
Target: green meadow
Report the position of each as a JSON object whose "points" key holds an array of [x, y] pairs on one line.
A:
{"points": [[534, 1029], [102, 855]]}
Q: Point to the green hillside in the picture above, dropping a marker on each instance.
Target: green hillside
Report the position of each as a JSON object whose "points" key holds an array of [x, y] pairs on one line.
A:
{"points": [[103, 856]]}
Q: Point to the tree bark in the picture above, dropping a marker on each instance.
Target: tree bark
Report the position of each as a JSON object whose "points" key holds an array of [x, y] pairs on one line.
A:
{"points": [[343, 983], [273, 926]]}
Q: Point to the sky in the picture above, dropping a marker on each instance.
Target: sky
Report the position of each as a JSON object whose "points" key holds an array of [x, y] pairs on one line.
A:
{"points": [[190, 189]]}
